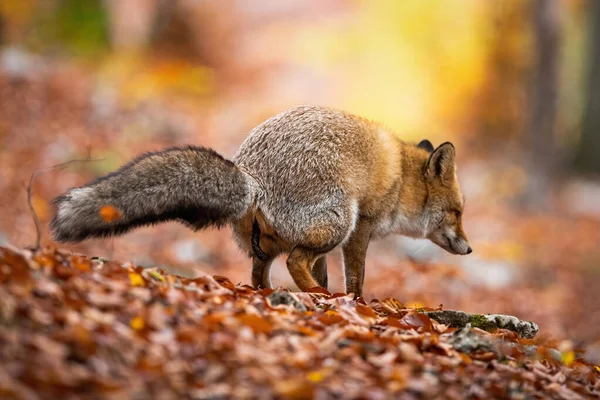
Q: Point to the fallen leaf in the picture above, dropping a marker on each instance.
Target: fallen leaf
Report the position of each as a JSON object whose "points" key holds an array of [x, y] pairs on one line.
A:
{"points": [[568, 357], [136, 279], [157, 275], [256, 322], [81, 263], [330, 318], [294, 389], [318, 289], [366, 311], [419, 321], [319, 375], [392, 305], [137, 323]]}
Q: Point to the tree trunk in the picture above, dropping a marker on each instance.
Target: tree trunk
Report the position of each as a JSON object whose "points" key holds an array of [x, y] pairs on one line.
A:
{"points": [[587, 157], [540, 136]]}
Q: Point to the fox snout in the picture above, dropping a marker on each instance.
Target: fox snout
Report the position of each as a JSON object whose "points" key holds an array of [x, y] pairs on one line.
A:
{"points": [[459, 245], [452, 241]]}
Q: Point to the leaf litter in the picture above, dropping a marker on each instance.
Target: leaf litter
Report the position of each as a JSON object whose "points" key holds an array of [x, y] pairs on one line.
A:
{"points": [[90, 328]]}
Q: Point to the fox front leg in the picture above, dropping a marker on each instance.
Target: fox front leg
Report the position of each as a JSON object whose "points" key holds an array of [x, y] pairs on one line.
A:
{"points": [[355, 253], [261, 273]]}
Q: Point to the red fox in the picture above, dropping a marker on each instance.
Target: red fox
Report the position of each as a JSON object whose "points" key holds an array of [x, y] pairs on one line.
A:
{"points": [[303, 183]]}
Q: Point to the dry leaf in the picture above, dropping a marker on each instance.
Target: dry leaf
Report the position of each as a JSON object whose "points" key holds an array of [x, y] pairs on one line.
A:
{"points": [[256, 322], [137, 323], [392, 305], [136, 279]]}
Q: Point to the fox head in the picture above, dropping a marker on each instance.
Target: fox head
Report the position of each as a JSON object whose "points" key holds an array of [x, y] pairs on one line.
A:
{"points": [[445, 202]]}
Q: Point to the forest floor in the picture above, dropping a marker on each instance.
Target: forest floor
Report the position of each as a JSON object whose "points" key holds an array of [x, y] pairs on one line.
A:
{"points": [[93, 328]]}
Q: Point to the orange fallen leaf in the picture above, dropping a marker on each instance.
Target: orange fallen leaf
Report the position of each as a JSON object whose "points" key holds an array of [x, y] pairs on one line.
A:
{"points": [[465, 359], [306, 331], [330, 319], [392, 305], [418, 321], [225, 282], [395, 322], [81, 263], [318, 289], [366, 311], [137, 323], [256, 322], [294, 389]]}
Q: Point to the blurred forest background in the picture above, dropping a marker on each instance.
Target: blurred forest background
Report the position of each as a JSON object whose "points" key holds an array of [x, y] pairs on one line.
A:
{"points": [[514, 84]]}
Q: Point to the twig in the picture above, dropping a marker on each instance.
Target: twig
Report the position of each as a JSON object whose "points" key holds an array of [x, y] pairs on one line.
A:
{"points": [[61, 166]]}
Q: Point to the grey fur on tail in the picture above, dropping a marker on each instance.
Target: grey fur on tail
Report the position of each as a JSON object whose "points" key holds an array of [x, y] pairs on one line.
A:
{"points": [[192, 185]]}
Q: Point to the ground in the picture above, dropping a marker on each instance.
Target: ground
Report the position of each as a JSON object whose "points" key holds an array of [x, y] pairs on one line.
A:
{"points": [[93, 328]]}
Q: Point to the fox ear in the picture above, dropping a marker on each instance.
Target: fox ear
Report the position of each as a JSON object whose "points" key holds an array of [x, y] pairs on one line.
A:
{"points": [[441, 163], [425, 145]]}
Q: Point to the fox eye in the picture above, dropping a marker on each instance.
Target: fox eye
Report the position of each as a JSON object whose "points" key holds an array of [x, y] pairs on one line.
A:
{"points": [[457, 213]]}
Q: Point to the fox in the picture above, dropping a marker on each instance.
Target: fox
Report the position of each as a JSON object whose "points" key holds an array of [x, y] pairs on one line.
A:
{"points": [[303, 182]]}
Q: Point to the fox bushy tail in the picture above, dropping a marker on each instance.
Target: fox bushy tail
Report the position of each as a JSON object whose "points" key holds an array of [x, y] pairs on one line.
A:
{"points": [[192, 185]]}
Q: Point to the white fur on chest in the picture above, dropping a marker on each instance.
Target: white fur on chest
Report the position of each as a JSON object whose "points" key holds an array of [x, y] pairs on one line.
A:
{"points": [[400, 224]]}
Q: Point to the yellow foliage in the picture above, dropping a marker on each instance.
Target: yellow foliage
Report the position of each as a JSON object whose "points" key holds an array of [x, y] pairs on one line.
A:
{"points": [[138, 80], [411, 63], [17, 11], [504, 250]]}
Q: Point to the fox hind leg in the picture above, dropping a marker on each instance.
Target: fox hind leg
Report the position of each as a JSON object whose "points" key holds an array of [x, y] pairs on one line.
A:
{"points": [[325, 229], [319, 271], [299, 263]]}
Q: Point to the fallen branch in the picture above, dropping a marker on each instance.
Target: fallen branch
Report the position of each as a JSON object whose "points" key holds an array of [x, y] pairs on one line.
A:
{"points": [[487, 322]]}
